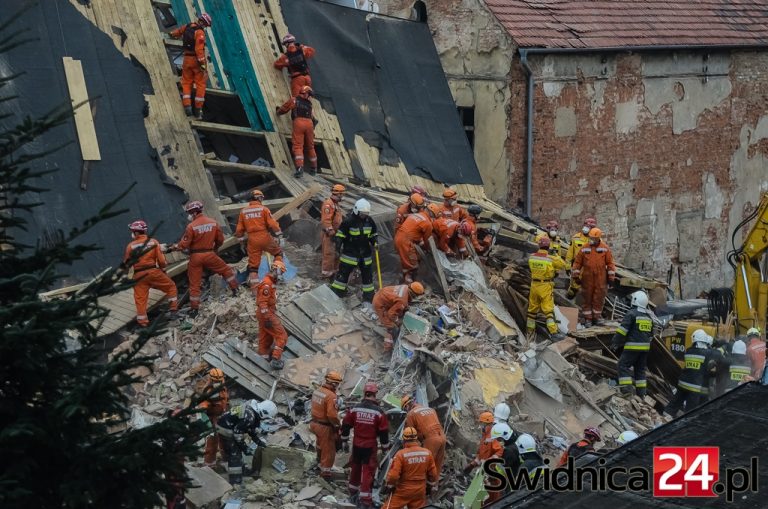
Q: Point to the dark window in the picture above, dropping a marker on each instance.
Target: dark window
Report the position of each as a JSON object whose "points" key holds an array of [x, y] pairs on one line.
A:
{"points": [[468, 121], [420, 11]]}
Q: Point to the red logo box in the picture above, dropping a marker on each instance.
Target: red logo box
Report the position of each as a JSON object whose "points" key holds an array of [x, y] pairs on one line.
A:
{"points": [[685, 471]]}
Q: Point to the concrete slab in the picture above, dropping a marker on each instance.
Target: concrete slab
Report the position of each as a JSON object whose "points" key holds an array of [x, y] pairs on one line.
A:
{"points": [[296, 460], [319, 302], [210, 486]]}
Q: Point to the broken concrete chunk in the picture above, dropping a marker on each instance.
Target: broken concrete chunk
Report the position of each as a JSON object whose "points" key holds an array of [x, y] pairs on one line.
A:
{"points": [[308, 492], [210, 486]]}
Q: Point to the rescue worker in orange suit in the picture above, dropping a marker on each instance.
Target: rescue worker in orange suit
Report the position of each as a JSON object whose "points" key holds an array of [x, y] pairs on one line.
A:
{"points": [[583, 446], [272, 335], [412, 475], [415, 230], [303, 135], [194, 68], [214, 407], [427, 424], [594, 269], [481, 241], [541, 299], [489, 447], [356, 241], [330, 220], [148, 271], [451, 206], [295, 60], [390, 304], [555, 247], [448, 235], [579, 240], [403, 210], [202, 239], [264, 234], [756, 352], [325, 422], [370, 424]]}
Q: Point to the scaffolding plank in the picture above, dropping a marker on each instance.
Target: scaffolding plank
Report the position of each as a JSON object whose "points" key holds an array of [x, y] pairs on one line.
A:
{"points": [[78, 94]]}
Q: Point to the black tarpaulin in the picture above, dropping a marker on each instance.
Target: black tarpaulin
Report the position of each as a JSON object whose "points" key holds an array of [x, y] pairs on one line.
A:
{"points": [[117, 86], [382, 77]]}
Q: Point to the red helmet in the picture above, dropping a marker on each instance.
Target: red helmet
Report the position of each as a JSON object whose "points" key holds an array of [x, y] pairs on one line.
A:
{"points": [[138, 226], [419, 190], [593, 434], [194, 206], [466, 229], [288, 39], [205, 19], [544, 242], [591, 222], [370, 387]]}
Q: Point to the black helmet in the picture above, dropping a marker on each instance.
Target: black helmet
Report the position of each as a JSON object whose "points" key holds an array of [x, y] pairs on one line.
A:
{"points": [[475, 210]]}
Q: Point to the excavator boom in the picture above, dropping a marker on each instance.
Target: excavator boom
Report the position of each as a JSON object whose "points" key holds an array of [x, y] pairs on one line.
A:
{"points": [[750, 289]]}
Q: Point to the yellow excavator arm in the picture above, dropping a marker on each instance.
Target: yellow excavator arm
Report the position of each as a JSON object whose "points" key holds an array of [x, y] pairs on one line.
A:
{"points": [[750, 289]]}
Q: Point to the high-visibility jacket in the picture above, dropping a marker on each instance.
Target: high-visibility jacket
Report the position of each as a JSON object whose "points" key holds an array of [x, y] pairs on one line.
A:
{"points": [[635, 331], [455, 212], [693, 377], [356, 235], [201, 235], [401, 213], [416, 228], [738, 369], [151, 258], [369, 422], [544, 266], [578, 241], [324, 410], [446, 230], [412, 468]]}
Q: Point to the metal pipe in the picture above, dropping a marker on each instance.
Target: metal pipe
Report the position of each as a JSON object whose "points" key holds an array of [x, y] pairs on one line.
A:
{"points": [[746, 284], [524, 52]]}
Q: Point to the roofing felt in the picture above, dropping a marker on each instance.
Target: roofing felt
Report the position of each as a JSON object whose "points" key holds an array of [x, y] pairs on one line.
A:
{"points": [[116, 85], [735, 422], [383, 79], [620, 23]]}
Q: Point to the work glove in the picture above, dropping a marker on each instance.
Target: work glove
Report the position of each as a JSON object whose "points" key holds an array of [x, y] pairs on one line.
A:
{"points": [[345, 445]]}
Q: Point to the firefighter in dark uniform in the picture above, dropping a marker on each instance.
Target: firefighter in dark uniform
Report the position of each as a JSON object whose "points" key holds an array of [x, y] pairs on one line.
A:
{"points": [[356, 240], [241, 420], [740, 367], [634, 335], [692, 386]]}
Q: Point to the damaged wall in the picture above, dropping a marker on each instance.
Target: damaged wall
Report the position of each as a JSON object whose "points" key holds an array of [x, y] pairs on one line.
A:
{"points": [[475, 53], [667, 150]]}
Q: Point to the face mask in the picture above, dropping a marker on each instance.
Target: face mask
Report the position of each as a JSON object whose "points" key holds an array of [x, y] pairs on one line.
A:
{"points": [[451, 203], [553, 233], [585, 230], [190, 217]]}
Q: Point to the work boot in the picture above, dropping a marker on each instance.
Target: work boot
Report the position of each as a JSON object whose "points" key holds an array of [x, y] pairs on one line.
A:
{"points": [[234, 291], [313, 171], [188, 111], [557, 337], [199, 115], [192, 313], [276, 364], [598, 322], [571, 293], [299, 172]]}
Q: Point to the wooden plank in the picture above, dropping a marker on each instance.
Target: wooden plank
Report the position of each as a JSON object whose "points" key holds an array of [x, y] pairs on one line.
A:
{"points": [[78, 94], [439, 266], [232, 209], [225, 129], [235, 372], [226, 166]]}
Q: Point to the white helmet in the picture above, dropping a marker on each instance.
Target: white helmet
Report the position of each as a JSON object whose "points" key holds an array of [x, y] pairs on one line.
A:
{"points": [[700, 337], [754, 331], [501, 430], [525, 443], [739, 347], [626, 436], [501, 412], [640, 299], [362, 206], [264, 409]]}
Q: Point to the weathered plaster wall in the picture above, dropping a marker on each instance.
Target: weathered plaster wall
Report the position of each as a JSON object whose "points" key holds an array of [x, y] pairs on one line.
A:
{"points": [[476, 55], [668, 151]]}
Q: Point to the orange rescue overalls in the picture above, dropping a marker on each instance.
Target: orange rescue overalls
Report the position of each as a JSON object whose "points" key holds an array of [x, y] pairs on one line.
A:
{"points": [[214, 408], [591, 266], [148, 273], [294, 59], [480, 246], [416, 229], [391, 303], [303, 136], [426, 422], [271, 331], [202, 238], [449, 241], [256, 220], [487, 449], [330, 219], [193, 36], [455, 212], [325, 424], [412, 468], [400, 214]]}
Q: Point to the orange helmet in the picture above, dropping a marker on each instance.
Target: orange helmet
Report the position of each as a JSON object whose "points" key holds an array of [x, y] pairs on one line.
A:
{"points": [[406, 401], [338, 189], [257, 194], [333, 377], [435, 210], [417, 200], [595, 233], [416, 288], [410, 434], [450, 194], [306, 89], [486, 418], [216, 375]]}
